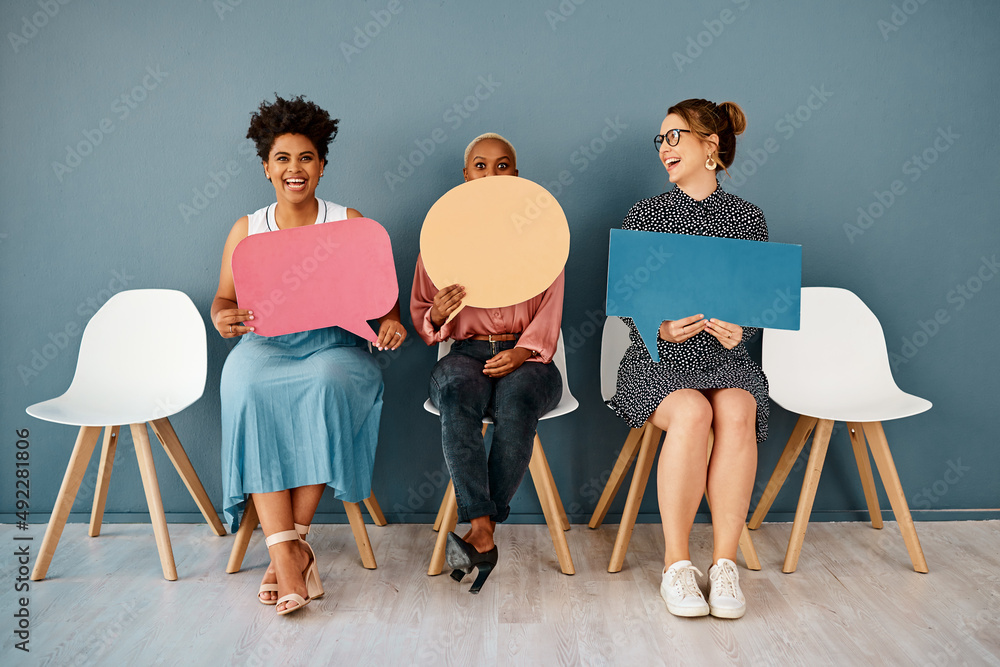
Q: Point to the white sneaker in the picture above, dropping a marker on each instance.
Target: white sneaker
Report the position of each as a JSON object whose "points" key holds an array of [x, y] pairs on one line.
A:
{"points": [[680, 590], [725, 598]]}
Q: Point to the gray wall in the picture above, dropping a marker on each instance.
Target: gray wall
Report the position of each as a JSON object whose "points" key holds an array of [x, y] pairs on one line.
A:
{"points": [[846, 102]]}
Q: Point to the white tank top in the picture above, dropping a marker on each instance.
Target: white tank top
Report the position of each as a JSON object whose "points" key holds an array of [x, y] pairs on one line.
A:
{"points": [[263, 220]]}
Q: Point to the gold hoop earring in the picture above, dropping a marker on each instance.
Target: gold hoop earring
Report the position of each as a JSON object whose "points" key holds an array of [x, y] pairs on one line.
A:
{"points": [[710, 164]]}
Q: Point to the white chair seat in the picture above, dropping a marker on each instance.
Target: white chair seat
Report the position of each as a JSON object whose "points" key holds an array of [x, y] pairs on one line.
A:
{"points": [[857, 407], [125, 376], [567, 402], [836, 365], [103, 409]]}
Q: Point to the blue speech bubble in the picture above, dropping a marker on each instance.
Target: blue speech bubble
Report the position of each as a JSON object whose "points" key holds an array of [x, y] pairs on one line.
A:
{"points": [[654, 276]]}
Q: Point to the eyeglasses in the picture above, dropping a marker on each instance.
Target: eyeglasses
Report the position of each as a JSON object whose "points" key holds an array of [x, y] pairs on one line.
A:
{"points": [[671, 137]]}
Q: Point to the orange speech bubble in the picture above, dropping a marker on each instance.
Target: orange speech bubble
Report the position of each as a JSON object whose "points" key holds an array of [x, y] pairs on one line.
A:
{"points": [[505, 239], [335, 273]]}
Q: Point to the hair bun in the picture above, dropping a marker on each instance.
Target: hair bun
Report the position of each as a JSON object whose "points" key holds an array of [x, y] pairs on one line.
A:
{"points": [[737, 118], [705, 118]]}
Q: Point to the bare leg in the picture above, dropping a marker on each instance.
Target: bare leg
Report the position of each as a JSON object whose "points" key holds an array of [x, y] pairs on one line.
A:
{"points": [[686, 417], [304, 500], [733, 467], [288, 559]]}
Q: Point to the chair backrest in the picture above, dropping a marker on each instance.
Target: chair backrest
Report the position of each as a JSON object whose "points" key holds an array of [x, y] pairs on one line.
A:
{"points": [[614, 341], [144, 346], [567, 402], [840, 347]]}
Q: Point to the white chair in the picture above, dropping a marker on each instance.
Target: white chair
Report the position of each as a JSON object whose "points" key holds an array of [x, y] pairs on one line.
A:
{"points": [[143, 357], [641, 444], [836, 368], [541, 475]]}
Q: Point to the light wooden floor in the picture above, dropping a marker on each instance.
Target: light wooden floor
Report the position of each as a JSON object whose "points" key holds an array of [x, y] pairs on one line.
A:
{"points": [[853, 601]]}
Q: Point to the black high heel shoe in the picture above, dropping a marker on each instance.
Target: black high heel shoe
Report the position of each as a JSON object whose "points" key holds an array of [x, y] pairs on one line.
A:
{"points": [[462, 556]]}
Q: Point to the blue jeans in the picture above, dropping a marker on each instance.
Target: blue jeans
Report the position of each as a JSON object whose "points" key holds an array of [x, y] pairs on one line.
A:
{"points": [[484, 486]]}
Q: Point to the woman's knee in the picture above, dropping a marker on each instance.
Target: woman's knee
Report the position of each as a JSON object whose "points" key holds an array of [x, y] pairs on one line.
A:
{"points": [[532, 389], [685, 407], [734, 409]]}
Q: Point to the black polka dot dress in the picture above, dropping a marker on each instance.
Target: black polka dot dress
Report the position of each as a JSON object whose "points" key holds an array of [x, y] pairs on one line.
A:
{"points": [[700, 362]]}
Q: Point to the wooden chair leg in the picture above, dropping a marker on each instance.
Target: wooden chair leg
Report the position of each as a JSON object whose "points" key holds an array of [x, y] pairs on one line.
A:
{"points": [[108, 448], [893, 489], [449, 512], [803, 427], [86, 440], [817, 455], [375, 510], [865, 470], [443, 507], [643, 466], [749, 550], [360, 534], [625, 459], [551, 483], [248, 524], [165, 434], [546, 496], [140, 438]]}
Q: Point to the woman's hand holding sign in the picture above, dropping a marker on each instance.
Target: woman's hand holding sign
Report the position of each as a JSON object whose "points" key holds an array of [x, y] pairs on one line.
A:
{"points": [[730, 335], [446, 301], [678, 331]]}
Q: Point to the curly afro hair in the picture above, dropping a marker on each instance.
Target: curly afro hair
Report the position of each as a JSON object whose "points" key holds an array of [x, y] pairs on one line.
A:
{"points": [[294, 116]]}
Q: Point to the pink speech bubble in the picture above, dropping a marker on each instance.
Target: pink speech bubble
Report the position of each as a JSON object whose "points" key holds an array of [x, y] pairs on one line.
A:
{"points": [[335, 273]]}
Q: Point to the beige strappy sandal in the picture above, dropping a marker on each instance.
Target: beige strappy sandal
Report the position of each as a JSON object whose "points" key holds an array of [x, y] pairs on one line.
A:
{"points": [[273, 588], [314, 587], [303, 531]]}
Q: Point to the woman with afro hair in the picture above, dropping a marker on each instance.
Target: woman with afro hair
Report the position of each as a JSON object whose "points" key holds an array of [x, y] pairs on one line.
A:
{"points": [[300, 411]]}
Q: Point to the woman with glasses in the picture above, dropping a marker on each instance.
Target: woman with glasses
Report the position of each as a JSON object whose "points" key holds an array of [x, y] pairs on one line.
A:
{"points": [[499, 365], [705, 378], [300, 411]]}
